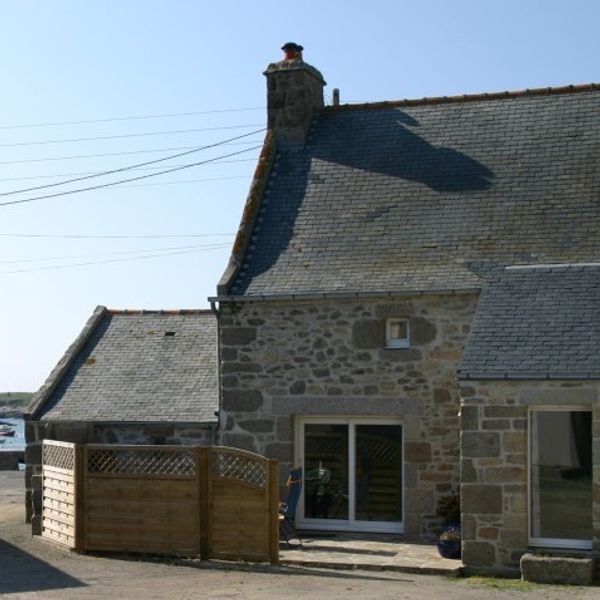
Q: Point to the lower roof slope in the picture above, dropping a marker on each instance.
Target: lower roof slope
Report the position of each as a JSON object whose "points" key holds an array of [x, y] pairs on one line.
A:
{"points": [[136, 366], [536, 322], [406, 197]]}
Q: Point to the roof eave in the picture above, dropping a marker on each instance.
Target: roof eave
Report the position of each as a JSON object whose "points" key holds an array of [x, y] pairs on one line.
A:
{"points": [[345, 295], [249, 214]]}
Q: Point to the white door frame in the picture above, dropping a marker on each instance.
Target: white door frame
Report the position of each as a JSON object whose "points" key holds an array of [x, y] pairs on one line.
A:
{"points": [[350, 524]]}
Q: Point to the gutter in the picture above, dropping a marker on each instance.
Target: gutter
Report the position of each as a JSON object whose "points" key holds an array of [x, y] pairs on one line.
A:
{"points": [[524, 376], [343, 295], [217, 429]]}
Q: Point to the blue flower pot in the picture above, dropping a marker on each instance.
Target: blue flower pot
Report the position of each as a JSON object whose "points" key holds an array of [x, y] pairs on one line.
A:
{"points": [[449, 548]]}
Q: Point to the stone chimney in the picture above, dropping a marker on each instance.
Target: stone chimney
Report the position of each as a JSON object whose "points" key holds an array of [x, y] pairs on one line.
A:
{"points": [[294, 92]]}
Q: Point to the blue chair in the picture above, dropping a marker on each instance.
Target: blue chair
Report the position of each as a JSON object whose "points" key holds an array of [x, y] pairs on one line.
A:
{"points": [[287, 510]]}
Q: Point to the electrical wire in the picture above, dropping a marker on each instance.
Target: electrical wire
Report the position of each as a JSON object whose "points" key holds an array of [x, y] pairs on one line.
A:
{"points": [[127, 135], [54, 175], [113, 260], [134, 118], [119, 253], [121, 169], [105, 185], [183, 181], [151, 236], [127, 152]]}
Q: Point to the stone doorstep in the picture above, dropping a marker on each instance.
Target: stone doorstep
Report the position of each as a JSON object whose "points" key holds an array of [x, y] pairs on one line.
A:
{"points": [[558, 568], [369, 553]]}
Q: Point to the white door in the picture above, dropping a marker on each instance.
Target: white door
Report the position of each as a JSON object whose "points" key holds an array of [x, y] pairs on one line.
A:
{"points": [[353, 474]]}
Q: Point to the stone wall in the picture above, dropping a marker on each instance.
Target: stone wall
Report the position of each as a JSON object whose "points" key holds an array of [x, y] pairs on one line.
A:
{"points": [[88, 433], [494, 491], [10, 459], [281, 360]]}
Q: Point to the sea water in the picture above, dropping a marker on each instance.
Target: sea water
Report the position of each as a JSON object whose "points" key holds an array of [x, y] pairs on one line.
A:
{"points": [[17, 442]]}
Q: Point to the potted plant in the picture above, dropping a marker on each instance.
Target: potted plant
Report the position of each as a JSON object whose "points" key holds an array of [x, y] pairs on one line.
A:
{"points": [[450, 537]]}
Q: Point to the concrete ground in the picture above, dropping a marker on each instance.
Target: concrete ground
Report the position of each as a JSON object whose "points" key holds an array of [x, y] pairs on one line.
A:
{"points": [[30, 568]]}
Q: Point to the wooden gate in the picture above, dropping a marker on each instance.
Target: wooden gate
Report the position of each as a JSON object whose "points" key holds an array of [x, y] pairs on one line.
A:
{"points": [[59, 465], [214, 502], [243, 506]]}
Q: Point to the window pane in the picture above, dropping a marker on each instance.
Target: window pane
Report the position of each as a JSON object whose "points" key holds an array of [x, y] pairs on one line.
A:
{"points": [[378, 478], [326, 465], [398, 330], [561, 474]]}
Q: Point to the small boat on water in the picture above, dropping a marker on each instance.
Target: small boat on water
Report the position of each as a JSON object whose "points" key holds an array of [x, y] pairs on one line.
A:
{"points": [[7, 431]]}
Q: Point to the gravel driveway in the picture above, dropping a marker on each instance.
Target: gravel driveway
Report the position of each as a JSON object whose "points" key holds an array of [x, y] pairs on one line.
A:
{"points": [[30, 568]]}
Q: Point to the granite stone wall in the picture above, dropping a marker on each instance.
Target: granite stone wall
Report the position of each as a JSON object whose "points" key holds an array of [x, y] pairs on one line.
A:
{"points": [[494, 490], [282, 360]]}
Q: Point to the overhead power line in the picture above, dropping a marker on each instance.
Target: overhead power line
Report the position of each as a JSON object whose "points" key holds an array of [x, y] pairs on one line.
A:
{"points": [[113, 260], [119, 253], [139, 177], [134, 117], [127, 168], [150, 236], [123, 153], [55, 175], [127, 135]]}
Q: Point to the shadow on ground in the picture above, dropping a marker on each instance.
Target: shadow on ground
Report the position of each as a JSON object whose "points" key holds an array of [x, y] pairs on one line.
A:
{"points": [[22, 572]]}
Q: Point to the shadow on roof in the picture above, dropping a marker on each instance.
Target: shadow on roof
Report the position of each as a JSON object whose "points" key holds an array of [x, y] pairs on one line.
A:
{"points": [[382, 142]]}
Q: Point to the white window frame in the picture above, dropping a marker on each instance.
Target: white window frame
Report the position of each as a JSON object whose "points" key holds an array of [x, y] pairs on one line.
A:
{"points": [[538, 542], [391, 342], [350, 524]]}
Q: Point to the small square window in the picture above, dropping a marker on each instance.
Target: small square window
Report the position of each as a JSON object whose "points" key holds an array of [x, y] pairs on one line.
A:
{"points": [[397, 334]]}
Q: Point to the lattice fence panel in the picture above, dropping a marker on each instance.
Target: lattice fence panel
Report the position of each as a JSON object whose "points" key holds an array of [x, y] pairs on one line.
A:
{"points": [[237, 466], [142, 461], [61, 457]]}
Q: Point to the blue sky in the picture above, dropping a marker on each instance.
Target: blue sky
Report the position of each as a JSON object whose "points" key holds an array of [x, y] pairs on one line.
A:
{"points": [[64, 61]]}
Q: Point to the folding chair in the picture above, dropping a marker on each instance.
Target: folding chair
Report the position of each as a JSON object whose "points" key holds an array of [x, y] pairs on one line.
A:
{"points": [[287, 510]]}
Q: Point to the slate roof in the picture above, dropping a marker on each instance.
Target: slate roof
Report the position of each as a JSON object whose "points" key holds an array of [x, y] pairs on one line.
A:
{"points": [[536, 322], [136, 366], [407, 196]]}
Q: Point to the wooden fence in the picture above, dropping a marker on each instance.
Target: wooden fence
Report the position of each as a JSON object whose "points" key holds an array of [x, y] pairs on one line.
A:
{"points": [[58, 492], [214, 502]]}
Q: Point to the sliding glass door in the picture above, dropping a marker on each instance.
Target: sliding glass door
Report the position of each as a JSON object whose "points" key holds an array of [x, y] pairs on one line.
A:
{"points": [[560, 504], [352, 474]]}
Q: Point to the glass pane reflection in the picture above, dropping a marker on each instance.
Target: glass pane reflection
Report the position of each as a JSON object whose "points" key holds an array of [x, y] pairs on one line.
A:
{"points": [[326, 477], [561, 475], [378, 478]]}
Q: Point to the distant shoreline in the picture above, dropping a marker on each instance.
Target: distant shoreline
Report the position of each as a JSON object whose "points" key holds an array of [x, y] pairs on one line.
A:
{"points": [[8, 412], [14, 404]]}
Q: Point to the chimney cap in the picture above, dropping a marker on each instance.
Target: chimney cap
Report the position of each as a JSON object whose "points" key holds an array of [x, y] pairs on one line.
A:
{"points": [[292, 46]]}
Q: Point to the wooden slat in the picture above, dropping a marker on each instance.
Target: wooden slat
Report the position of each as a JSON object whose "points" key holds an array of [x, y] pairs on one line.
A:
{"points": [[137, 487], [58, 528], [140, 530], [58, 495], [58, 443], [50, 470], [273, 511], [53, 484], [63, 477], [62, 539], [64, 507], [153, 510], [60, 517]]}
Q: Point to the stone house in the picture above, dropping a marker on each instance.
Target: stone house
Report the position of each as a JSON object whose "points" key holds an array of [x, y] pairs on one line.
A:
{"points": [[392, 317], [131, 377]]}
